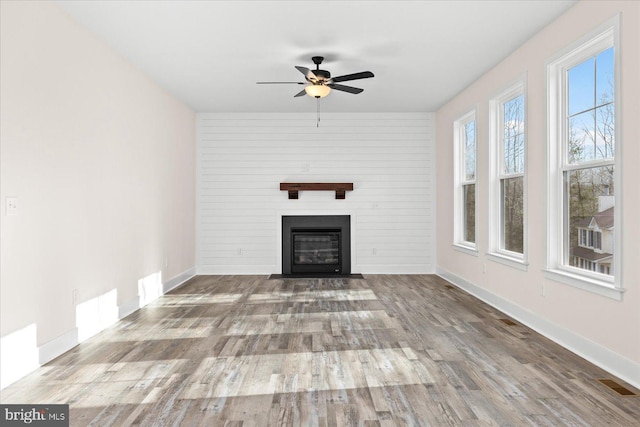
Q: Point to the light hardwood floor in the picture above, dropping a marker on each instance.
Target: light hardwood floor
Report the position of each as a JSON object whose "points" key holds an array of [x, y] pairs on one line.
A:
{"points": [[379, 351]]}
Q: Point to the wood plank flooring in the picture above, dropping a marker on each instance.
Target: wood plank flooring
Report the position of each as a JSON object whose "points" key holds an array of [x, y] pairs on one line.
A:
{"points": [[379, 351]]}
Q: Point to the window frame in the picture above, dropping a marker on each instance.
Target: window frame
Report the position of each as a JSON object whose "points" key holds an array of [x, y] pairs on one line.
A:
{"points": [[496, 251], [603, 37], [460, 181]]}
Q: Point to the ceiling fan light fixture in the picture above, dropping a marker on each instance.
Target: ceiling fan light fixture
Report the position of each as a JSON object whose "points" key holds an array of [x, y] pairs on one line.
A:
{"points": [[317, 91]]}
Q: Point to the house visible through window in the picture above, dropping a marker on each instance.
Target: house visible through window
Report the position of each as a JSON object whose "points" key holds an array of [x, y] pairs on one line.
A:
{"points": [[589, 170], [582, 162]]}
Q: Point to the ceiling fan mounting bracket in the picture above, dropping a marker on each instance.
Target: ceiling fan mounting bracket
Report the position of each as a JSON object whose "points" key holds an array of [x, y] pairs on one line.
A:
{"points": [[320, 75]]}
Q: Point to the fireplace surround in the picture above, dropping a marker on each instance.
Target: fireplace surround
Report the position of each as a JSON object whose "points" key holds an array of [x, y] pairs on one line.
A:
{"points": [[316, 244]]}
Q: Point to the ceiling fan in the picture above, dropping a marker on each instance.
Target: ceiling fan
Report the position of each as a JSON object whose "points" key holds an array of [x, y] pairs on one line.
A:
{"points": [[321, 81]]}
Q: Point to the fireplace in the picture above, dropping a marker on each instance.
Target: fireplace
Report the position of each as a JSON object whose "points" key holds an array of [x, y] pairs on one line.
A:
{"points": [[316, 245]]}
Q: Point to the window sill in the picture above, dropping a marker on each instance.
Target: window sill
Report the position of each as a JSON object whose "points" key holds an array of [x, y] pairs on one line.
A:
{"points": [[595, 286], [517, 263], [469, 250]]}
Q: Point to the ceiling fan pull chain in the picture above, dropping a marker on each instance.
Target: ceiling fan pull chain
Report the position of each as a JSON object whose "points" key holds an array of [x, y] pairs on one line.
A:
{"points": [[318, 112]]}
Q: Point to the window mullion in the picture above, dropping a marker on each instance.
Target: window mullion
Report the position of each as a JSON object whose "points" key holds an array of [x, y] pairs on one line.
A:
{"points": [[511, 175], [587, 165]]}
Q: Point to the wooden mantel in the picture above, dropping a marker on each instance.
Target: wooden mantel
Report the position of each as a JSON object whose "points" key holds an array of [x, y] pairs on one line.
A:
{"points": [[339, 187]]}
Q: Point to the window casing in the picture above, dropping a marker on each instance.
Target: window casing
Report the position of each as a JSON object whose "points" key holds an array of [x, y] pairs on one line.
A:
{"points": [[465, 165], [583, 226], [507, 204]]}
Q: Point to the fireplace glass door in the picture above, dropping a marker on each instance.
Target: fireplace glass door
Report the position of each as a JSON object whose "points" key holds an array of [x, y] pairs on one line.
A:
{"points": [[316, 251]]}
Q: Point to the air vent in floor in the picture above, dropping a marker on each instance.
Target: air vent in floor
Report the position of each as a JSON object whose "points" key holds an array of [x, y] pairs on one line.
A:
{"points": [[621, 390]]}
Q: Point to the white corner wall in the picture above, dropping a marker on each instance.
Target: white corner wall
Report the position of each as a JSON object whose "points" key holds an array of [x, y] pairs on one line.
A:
{"points": [[102, 163], [600, 329], [243, 158]]}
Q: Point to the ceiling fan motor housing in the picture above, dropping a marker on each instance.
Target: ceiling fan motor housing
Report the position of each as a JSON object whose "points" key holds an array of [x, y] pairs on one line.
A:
{"points": [[322, 74]]}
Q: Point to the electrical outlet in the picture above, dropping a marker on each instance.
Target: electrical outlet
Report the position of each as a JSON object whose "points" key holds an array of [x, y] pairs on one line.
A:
{"points": [[306, 167], [239, 251], [12, 206]]}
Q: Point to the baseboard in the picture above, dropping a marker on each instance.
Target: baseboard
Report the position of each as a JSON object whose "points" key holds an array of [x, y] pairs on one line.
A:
{"points": [[54, 348], [395, 269], [24, 343], [237, 270], [610, 361], [178, 280], [18, 355], [128, 307]]}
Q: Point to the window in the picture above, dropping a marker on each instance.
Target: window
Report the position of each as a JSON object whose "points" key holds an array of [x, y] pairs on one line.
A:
{"points": [[583, 238], [597, 240], [465, 182], [584, 182], [508, 161]]}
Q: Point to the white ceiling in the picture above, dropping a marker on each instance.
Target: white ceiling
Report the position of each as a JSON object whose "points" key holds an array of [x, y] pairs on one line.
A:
{"points": [[210, 53]]}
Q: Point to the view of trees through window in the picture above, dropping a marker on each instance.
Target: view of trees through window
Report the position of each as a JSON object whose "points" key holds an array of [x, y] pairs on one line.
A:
{"points": [[512, 175], [513, 213], [469, 188], [469, 212], [589, 172]]}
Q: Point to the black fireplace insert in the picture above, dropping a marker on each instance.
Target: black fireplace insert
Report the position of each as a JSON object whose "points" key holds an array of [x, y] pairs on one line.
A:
{"points": [[316, 245]]}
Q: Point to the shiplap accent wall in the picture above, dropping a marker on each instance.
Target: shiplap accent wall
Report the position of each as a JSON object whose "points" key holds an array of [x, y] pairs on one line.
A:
{"points": [[243, 158]]}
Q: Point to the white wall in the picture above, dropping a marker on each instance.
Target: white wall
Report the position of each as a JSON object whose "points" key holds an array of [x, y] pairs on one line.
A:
{"points": [[102, 163], [243, 158], [603, 330]]}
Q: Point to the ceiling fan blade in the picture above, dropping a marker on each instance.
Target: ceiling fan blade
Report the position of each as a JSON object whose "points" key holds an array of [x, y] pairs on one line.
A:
{"points": [[301, 93], [354, 76], [280, 83], [307, 73], [350, 89]]}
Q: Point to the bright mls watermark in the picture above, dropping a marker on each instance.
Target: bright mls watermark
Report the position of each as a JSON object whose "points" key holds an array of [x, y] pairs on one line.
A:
{"points": [[36, 415]]}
